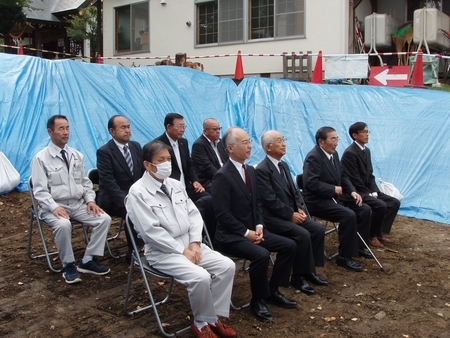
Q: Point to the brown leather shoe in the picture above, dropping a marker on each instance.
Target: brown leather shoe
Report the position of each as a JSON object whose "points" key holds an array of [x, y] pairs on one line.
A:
{"points": [[375, 242], [205, 332], [385, 240], [223, 330]]}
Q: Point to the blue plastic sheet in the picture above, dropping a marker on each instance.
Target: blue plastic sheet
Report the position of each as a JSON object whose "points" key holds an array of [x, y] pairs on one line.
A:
{"points": [[408, 126]]}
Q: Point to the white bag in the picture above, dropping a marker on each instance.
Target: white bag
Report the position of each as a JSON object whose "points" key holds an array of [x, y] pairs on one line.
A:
{"points": [[389, 189], [9, 177]]}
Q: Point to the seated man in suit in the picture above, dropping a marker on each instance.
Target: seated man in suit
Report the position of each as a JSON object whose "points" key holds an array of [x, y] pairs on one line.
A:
{"points": [[64, 193], [183, 168], [329, 194], [240, 227], [283, 213], [119, 164], [357, 164], [208, 152], [171, 227]]}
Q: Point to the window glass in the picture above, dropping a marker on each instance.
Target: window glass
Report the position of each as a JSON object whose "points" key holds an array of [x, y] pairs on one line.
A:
{"points": [[231, 21], [261, 19], [132, 28], [207, 23]]}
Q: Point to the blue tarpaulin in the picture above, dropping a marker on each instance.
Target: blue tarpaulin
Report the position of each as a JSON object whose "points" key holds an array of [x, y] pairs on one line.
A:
{"points": [[408, 126]]}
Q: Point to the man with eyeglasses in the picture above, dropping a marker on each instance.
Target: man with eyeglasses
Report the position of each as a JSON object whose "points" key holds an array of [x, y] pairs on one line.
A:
{"points": [[183, 168], [357, 164], [240, 228], [330, 195], [208, 152], [283, 211]]}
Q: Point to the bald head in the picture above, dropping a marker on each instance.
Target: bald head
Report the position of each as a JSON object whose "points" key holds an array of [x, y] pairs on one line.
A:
{"points": [[211, 129]]}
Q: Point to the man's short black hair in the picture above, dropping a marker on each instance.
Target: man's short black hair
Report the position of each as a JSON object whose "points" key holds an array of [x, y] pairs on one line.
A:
{"points": [[355, 128], [111, 121], [170, 118], [51, 121], [322, 133]]}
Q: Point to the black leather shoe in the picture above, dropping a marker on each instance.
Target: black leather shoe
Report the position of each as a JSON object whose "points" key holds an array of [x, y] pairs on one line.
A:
{"points": [[316, 279], [348, 263], [365, 254], [302, 285], [260, 310], [277, 298]]}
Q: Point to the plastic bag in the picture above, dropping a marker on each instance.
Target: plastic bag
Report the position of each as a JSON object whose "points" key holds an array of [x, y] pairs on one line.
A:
{"points": [[9, 177], [389, 189]]}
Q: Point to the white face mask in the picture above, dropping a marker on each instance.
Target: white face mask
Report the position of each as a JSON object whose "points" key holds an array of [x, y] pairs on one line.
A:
{"points": [[164, 170]]}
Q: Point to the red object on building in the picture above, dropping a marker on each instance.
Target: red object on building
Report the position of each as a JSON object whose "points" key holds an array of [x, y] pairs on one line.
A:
{"points": [[417, 76], [99, 58], [20, 50], [318, 69], [395, 76], [239, 71]]}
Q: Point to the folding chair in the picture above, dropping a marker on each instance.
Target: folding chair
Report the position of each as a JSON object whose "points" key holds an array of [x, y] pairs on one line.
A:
{"points": [[93, 176], [34, 219], [299, 182], [139, 262], [206, 209]]}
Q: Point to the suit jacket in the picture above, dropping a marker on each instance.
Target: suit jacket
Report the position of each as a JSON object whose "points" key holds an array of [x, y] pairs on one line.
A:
{"points": [[190, 175], [115, 178], [236, 209], [320, 178], [167, 226], [358, 167], [205, 159], [278, 200]]}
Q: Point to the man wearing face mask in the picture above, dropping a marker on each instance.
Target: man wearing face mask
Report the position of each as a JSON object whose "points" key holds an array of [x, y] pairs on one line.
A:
{"points": [[171, 227]]}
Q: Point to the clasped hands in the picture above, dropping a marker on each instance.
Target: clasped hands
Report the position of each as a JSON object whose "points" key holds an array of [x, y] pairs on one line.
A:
{"points": [[193, 252], [256, 236], [299, 217]]}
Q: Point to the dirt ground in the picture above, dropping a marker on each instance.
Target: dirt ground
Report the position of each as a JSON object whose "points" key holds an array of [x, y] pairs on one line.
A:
{"points": [[410, 299]]}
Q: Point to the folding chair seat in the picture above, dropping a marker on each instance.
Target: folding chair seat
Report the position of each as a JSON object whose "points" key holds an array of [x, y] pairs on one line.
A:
{"points": [[335, 225], [140, 263], [93, 176], [35, 221]]}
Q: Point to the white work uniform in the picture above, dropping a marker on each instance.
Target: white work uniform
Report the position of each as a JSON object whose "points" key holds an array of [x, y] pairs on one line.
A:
{"points": [[55, 185], [167, 227]]}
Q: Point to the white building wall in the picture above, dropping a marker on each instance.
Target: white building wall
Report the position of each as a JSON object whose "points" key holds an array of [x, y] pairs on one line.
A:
{"points": [[326, 29]]}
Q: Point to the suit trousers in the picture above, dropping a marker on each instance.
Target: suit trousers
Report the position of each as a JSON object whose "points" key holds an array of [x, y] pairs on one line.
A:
{"points": [[384, 210], [209, 295], [351, 218], [309, 237], [62, 229], [259, 256]]}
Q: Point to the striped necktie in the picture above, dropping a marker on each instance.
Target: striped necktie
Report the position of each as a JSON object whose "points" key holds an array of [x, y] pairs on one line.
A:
{"points": [[127, 155]]}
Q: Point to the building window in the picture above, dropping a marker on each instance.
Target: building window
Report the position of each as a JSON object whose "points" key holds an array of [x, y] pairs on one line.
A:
{"points": [[132, 28], [237, 21]]}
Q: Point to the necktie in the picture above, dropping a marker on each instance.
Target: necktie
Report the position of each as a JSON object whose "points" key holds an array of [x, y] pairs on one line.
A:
{"points": [[247, 178], [63, 154], [127, 155], [364, 152], [164, 190], [332, 161], [283, 173]]}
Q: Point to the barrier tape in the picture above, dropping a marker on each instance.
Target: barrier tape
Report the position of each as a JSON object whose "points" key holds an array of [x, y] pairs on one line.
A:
{"points": [[46, 51], [168, 57]]}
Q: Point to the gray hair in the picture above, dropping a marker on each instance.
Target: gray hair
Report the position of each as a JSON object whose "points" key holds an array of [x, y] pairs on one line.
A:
{"points": [[151, 148], [229, 137], [267, 138]]}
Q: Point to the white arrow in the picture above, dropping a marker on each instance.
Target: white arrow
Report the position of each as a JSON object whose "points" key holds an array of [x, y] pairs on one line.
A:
{"points": [[383, 77]]}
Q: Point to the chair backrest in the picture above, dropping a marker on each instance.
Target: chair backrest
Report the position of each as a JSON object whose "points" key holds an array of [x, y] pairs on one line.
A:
{"points": [[93, 176], [205, 206], [34, 207]]}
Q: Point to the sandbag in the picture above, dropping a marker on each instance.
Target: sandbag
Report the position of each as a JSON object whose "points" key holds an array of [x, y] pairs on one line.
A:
{"points": [[9, 177], [389, 189]]}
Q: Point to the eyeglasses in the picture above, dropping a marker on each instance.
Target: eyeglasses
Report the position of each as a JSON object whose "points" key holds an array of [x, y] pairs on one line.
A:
{"points": [[334, 139], [366, 132], [215, 128], [280, 140], [245, 142], [180, 126]]}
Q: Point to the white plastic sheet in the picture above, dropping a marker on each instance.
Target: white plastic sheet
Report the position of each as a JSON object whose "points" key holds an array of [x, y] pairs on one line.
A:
{"points": [[9, 177]]}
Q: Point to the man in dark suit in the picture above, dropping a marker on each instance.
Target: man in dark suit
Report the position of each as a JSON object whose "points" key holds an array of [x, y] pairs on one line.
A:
{"points": [[283, 213], [183, 168], [329, 194], [116, 175], [357, 164], [240, 228], [208, 152]]}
